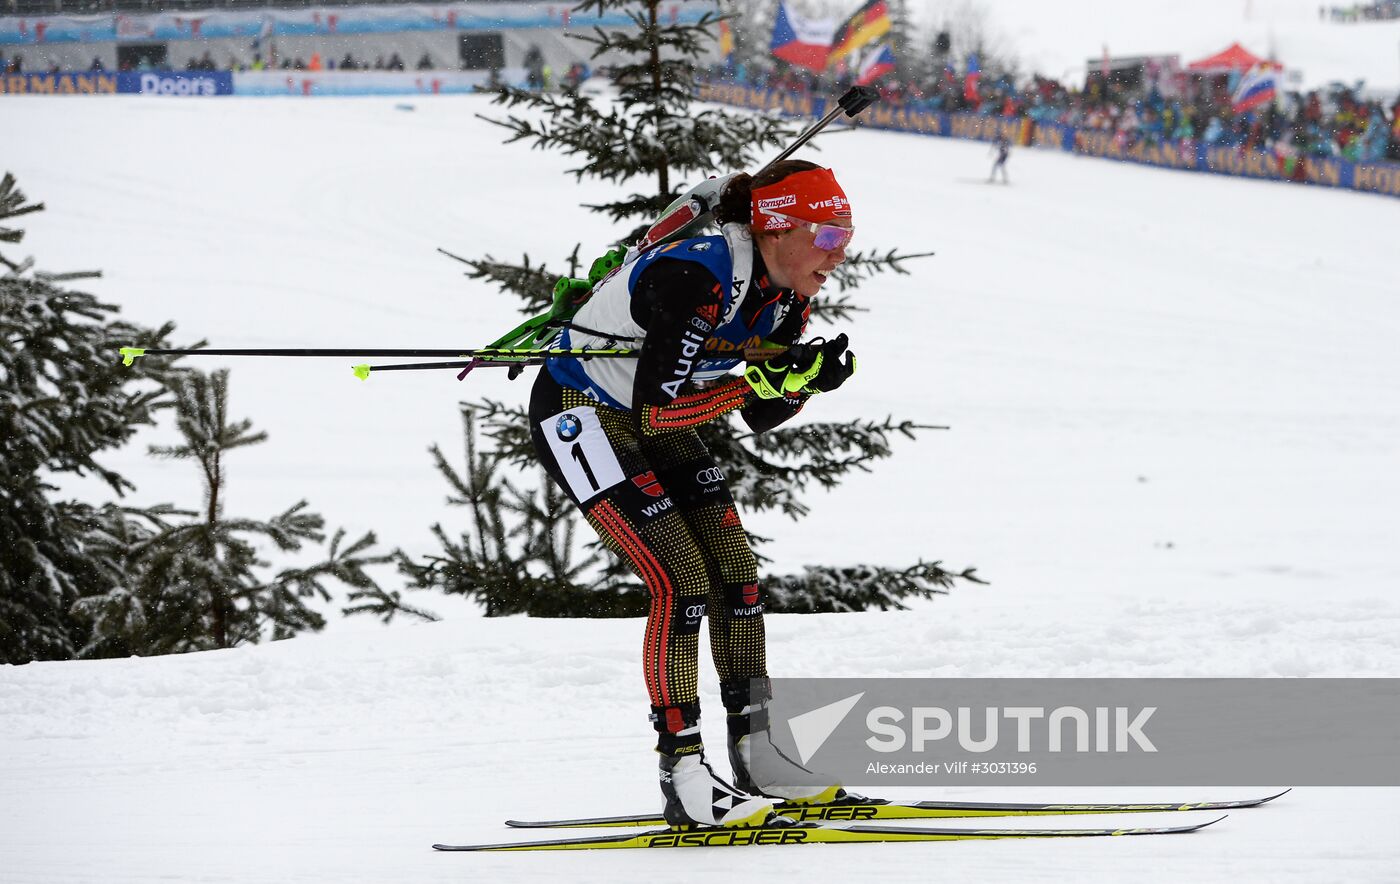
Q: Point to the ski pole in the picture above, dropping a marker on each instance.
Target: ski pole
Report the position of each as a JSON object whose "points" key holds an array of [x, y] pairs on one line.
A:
{"points": [[536, 357], [856, 99], [480, 355], [363, 371], [131, 354], [527, 358], [693, 209]]}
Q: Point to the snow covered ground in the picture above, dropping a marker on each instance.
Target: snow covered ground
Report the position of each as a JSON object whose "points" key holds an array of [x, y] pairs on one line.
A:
{"points": [[342, 758], [1175, 403]]}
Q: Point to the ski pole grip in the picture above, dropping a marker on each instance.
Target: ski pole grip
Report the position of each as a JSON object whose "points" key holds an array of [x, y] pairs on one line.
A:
{"points": [[857, 99]]}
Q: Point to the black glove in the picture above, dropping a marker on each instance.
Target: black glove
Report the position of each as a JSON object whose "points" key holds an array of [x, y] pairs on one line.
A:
{"points": [[832, 370]]}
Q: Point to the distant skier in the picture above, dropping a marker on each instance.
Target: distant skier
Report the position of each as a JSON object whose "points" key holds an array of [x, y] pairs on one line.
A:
{"points": [[1002, 148], [619, 436]]}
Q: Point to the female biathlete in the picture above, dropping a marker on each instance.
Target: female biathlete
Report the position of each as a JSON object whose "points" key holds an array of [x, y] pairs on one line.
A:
{"points": [[619, 437]]}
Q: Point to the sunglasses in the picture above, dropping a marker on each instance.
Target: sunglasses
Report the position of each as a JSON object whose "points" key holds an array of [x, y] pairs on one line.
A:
{"points": [[827, 237]]}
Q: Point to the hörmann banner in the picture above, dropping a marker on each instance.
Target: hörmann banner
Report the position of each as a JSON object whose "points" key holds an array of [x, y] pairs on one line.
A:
{"points": [[1092, 732], [62, 83]]}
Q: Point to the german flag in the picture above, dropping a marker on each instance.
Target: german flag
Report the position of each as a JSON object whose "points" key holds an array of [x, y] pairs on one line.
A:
{"points": [[869, 23]]}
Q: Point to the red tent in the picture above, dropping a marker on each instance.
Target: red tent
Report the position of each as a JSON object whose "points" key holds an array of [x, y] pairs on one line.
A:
{"points": [[1236, 58]]}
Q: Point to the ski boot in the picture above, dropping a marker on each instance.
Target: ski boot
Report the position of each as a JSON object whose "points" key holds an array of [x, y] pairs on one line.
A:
{"points": [[695, 796], [760, 767]]}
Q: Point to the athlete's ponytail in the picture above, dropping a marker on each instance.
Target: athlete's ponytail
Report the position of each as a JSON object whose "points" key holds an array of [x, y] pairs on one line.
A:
{"points": [[735, 203]]}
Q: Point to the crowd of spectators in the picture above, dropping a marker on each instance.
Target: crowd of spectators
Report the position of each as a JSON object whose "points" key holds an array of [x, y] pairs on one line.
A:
{"points": [[1194, 108], [206, 62], [1385, 10], [539, 76], [317, 63]]}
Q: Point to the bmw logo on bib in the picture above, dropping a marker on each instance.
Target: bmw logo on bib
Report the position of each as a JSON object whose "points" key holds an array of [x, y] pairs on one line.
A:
{"points": [[568, 427]]}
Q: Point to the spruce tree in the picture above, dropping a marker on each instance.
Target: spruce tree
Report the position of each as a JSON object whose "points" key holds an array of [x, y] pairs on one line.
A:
{"points": [[65, 399], [519, 557], [83, 580], [194, 579]]}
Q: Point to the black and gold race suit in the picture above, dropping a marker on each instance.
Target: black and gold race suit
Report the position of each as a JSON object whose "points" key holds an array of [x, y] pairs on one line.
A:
{"points": [[619, 437]]}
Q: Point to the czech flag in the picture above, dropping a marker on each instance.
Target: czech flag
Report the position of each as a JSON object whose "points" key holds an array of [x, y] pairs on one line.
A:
{"points": [[1258, 87], [877, 62], [801, 42], [868, 24], [974, 74]]}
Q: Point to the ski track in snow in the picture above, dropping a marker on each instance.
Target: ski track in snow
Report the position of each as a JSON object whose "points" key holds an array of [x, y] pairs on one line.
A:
{"points": [[1174, 409]]}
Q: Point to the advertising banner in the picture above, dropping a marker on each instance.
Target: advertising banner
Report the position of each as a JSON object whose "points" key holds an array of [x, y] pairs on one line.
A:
{"points": [[180, 83], [62, 83], [358, 82], [57, 29]]}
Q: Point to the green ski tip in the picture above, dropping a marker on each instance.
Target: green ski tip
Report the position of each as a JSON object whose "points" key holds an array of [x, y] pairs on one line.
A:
{"points": [[131, 354], [362, 372]]}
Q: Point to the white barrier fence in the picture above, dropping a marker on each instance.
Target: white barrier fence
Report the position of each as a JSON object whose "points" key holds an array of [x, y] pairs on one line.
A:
{"points": [[364, 82]]}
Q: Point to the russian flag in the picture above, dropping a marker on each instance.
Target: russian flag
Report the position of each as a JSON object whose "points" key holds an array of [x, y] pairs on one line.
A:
{"points": [[1256, 88], [974, 73], [801, 42], [876, 64]]}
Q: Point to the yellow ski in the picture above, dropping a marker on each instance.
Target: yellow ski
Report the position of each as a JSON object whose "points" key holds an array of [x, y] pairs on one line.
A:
{"points": [[784, 833], [857, 809]]}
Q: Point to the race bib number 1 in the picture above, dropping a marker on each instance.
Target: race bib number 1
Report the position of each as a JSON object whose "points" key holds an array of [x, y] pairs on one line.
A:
{"points": [[583, 452]]}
